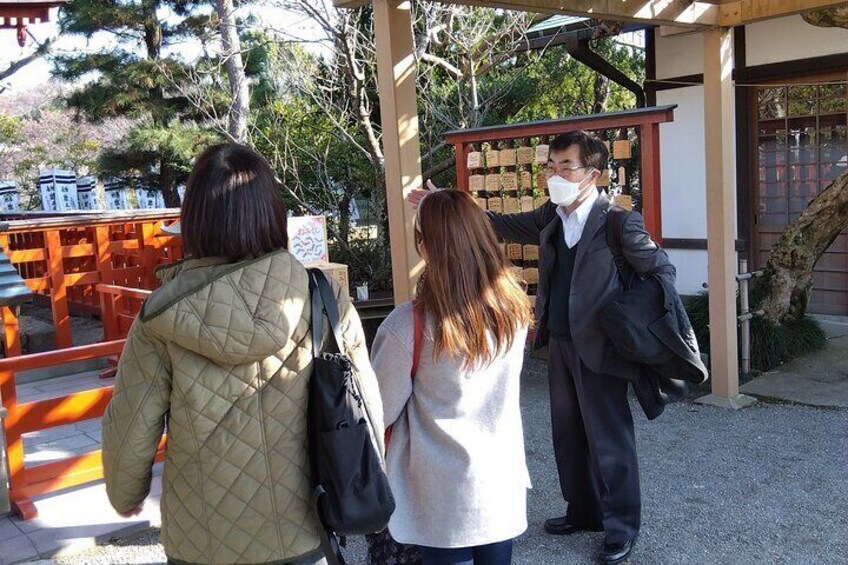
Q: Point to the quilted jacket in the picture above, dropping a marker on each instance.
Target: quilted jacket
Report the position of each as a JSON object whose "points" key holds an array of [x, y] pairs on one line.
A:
{"points": [[221, 356]]}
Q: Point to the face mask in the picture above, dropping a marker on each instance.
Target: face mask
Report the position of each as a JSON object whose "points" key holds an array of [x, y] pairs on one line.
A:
{"points": [[564, 192]]}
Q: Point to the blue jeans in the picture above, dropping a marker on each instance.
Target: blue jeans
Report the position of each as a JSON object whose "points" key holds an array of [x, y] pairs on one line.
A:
{"points": [[499, 553]]}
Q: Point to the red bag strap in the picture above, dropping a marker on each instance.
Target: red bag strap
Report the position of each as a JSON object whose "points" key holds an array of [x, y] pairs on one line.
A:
{"points": [[418, 337]]}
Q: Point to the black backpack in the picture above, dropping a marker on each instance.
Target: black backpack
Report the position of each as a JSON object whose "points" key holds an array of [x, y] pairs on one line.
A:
{"points": [[350, 489]]}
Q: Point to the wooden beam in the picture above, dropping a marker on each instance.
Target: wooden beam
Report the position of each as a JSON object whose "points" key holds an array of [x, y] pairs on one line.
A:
{"points": [[743, 12], [396, 74], [667, 12], [721, 197]]}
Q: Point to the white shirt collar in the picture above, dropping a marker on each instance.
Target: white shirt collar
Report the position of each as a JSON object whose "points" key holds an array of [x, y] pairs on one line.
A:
{"points": [[573, 224], [582, 211]]}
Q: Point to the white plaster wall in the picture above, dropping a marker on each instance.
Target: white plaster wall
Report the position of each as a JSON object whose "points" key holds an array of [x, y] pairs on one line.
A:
{"points": [[691, 267], [679, 55], [683, 177], [682, 165], [790, 38]]}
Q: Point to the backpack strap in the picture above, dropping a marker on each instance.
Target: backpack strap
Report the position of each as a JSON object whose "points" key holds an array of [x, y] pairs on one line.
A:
{"points": [[323, 301], [616, 217]]}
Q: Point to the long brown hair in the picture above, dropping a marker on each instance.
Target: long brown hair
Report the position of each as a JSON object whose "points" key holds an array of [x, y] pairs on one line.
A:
{"points": [[467, 284]]}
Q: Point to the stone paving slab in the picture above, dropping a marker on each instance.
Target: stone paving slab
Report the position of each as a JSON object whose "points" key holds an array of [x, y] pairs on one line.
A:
{"points": [[71, 522], [818, 379]]}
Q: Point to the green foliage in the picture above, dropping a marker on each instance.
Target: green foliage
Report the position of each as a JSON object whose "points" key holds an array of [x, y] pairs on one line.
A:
{"points": [[10, 131], [177, 143], [366, 264], [771, 344], [132, 78]]}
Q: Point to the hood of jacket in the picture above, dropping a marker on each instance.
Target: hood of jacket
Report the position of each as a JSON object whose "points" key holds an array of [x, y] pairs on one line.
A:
{"points": [[230, 313]]}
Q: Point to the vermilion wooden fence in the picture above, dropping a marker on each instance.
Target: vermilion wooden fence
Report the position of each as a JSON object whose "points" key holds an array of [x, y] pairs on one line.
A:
{"points": [[101, 263], [65, 257]]}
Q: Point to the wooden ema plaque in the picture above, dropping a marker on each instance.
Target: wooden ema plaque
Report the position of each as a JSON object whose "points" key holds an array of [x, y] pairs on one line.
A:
{"points": [[526, 203], [496, 204], [513, 251], [509, 181], [542, 152], [507, 157], [510, 205], [541, 181], [531, 252], [526, 180], [623, 200], [476, 183], [621, 149], [493, 158], [524, 155], [481, 202], [492, 183], [540, 201], [531, 275], [518, 272], [475, 160]]}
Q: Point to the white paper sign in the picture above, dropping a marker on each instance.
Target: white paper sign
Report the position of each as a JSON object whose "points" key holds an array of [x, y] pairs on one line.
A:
{"points": [[308, 238]]}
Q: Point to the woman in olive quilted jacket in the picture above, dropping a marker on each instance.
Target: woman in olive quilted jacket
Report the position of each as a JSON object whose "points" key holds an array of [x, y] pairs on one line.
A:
{"points": [[221, 356]]}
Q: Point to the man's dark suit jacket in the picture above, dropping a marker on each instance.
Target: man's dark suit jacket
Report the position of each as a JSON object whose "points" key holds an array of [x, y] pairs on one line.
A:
{"points": [[595, 280]]}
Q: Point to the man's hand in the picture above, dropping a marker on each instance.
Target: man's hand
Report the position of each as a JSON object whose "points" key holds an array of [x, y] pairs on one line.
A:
{"points": [[134, 512], [416, 196]]}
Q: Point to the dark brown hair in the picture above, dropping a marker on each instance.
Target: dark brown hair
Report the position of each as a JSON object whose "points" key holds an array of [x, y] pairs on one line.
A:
{"points": [[233, 207], [593, 152], [467, 284]]}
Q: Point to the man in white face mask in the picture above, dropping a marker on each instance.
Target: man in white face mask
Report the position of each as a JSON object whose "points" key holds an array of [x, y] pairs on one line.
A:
{"points": [[593, 436]]}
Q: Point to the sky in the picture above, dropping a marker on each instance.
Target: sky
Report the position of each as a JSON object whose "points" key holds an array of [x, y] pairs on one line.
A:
{"points": [[38, 72]]}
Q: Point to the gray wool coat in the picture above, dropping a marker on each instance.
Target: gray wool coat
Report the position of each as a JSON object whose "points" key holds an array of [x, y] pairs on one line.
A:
{"points": [[455, 460]]}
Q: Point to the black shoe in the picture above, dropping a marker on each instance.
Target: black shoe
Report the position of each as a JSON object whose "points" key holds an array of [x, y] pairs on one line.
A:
{"points": [[612, 553], [562, 527]]}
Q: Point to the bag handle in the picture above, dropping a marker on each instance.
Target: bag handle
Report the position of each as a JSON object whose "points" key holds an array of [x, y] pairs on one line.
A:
{"points": [[615, 227], [417, 338], [323, 301]]}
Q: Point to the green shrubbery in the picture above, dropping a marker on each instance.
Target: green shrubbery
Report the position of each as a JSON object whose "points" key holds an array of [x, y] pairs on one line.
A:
{"points": [[771, 344]]}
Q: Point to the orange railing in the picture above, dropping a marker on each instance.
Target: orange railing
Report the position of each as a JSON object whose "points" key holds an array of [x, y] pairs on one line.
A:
{"points": [[77, 261], [28, 481], [65, 257], [119, 306]]}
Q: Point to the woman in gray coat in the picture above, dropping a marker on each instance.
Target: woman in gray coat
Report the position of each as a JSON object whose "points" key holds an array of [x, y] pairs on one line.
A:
{"points": [[456, 455]]}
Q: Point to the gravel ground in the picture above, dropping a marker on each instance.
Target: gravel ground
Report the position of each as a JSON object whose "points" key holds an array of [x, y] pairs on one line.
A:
{"points": [[764, 485]]}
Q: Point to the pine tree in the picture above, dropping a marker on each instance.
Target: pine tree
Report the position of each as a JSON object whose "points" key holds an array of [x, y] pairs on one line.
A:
{"points": [[133, 79]]}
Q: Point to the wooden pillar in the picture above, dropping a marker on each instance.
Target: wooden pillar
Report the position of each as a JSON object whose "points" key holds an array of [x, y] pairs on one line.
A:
{"points": [[462, 166], [12, 446], [12, 434], [721, 215], [58, 290], [147, 253], [399, 112], [649, 172]]}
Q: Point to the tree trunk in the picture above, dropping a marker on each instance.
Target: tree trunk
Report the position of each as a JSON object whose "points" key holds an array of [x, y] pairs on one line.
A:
{"points": [[344, 218], [788, 275], [166, 183], [601, 93], [240, 106]]}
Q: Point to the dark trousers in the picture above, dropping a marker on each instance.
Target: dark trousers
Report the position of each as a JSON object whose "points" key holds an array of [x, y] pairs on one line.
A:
{"points": [[594, 444], [499, 553]]}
